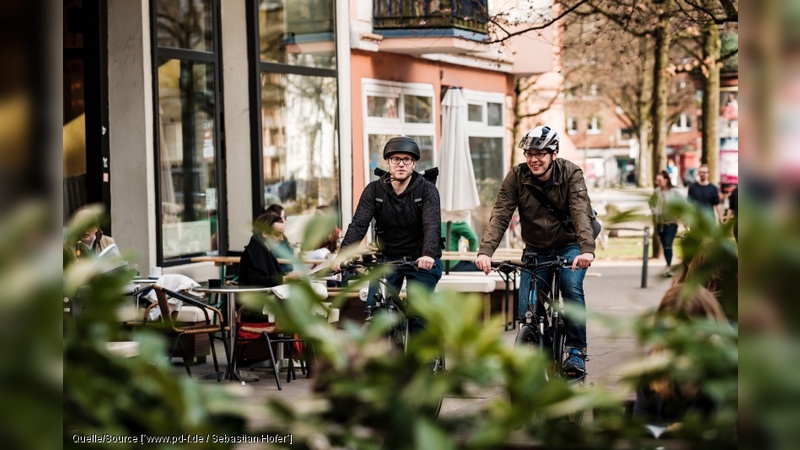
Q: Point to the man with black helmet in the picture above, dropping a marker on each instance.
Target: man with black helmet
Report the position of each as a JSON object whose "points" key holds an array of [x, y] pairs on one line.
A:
{"points": [[563, 184], [408, 216]]}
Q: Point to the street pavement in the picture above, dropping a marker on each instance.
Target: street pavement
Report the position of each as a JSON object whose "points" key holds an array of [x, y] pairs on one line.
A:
{"points": [[613, 289]]}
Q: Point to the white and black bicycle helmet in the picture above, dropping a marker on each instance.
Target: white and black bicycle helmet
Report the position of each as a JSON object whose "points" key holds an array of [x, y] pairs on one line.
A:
{"points": [[540, 138]]}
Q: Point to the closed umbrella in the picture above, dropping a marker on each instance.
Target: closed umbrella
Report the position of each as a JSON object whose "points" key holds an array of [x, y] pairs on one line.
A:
{"points": [[457, 187]]}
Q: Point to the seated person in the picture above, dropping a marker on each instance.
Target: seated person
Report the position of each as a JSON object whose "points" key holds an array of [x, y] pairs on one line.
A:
{"points": [[258, 265], [283, 249], [665, 401], [93, 242], [458, 229]]}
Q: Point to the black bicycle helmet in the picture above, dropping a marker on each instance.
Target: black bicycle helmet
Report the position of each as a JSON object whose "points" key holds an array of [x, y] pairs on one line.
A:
{"points": [[401, 144], [540, 138]]}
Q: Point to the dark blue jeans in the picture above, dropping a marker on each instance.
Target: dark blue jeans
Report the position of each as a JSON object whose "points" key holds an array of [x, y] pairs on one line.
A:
{"points": [[571, 286], [427, 278], [666, 234]]}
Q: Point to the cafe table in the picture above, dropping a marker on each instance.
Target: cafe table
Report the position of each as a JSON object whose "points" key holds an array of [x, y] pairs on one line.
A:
{"points": [[230, 292]]}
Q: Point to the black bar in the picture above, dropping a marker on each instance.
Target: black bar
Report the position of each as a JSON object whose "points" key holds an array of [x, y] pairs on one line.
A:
{"points": [[447, 246], [645, 255]]}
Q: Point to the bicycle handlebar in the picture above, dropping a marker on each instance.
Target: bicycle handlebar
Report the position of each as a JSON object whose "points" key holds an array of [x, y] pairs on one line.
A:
{"points": [[370, 261], [508, 266]]}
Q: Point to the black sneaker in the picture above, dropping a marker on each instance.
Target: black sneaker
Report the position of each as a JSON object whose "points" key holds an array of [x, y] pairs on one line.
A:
{"points": [[575, 365]]}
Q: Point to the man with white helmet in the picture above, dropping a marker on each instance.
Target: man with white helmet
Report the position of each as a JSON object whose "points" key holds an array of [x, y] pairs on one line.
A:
{"points": [[561, 182]]}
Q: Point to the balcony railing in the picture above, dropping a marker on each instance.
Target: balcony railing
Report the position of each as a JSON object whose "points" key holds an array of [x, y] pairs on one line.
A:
{"points": [[468, 15]]}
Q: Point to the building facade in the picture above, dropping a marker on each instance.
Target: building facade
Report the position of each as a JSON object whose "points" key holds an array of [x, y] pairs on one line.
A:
{"points": [[187, 117]]}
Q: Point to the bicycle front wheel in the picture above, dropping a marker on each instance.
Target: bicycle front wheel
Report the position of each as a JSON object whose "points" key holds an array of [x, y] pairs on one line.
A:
{"points": [[527, 335], [438, 368]]}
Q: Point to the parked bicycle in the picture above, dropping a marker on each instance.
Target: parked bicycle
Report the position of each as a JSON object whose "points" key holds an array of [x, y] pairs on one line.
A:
{"points": [[388, 301], [543, 325]]}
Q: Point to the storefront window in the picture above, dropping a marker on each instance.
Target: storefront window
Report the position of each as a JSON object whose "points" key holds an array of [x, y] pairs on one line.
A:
{"points": [[187, 111], [299, 147], [188, 183]]}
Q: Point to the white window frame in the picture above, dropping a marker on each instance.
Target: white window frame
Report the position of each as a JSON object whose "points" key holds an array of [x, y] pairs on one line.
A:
{"points": [[593, 126], [483, 129], [683, 124], [572, 125], [398, 126]]}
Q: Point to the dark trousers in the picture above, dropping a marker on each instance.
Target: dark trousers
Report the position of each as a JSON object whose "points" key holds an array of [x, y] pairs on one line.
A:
{"points": [[666, 234]]}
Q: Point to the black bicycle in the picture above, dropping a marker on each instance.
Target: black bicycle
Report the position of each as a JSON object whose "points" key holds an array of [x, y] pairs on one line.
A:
{"points": [[388, 301], [543, 325]]}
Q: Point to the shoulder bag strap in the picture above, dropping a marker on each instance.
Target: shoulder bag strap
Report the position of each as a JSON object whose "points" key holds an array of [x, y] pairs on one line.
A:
{"points": [[560, 214]]}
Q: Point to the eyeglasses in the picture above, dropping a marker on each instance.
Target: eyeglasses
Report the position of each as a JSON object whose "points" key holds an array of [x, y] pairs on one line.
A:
{"points": [[396, 161], [538, 155]]}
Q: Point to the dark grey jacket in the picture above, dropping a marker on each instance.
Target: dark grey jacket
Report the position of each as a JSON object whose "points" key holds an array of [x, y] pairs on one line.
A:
{"points": [[540, 229], [406, 230]]}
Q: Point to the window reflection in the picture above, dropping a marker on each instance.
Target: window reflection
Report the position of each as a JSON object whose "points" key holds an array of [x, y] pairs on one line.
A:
{"points": [[418, 109], [475, 113], [494, 111], [299, 147], [187, 182], [297, 32], [380, 106], [185, 24]]}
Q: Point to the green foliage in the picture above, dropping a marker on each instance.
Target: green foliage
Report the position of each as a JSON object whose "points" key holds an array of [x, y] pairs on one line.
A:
{"points": [[105, 394], [368, 395]]}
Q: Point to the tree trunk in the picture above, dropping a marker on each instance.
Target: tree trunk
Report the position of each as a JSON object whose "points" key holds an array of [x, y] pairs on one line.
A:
{"points": [[663, 37], [644, 164], [710, 105]]}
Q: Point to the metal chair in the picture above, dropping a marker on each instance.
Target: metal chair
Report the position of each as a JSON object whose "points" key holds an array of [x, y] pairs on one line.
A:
{"points": [[212, 324], [271, 334]]}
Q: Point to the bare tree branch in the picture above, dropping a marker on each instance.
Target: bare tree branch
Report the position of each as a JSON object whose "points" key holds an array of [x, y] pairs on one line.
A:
{"points": [[509, 35]]}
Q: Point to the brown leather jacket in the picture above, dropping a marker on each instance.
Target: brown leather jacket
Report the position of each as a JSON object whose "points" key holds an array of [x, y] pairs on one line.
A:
{"points": [[540, 229]]}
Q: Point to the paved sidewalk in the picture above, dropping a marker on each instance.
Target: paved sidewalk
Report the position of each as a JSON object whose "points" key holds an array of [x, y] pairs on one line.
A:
{"points": [[613, 289]]}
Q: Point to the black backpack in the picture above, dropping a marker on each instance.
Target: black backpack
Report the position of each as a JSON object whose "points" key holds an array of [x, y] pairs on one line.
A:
{"points": [[430, 175]]}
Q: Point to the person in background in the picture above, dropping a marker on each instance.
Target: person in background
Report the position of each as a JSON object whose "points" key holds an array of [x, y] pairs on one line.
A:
{"points": [[283, 249], [665, 401], [327, 247], [704, 193], [733, 211], [666, 225], [458, 229], [93, 242], [259, 266]]}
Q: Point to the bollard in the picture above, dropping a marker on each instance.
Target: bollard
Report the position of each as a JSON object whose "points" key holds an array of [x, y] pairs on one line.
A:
{"points": [[645, 255], [447, 246]]}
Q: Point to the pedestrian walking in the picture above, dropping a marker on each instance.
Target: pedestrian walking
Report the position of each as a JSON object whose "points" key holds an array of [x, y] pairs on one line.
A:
{"points": [[704, 193], [666, 224]]}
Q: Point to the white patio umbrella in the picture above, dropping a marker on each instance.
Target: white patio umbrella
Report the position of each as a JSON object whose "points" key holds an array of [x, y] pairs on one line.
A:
{"points": [[457, 188]]}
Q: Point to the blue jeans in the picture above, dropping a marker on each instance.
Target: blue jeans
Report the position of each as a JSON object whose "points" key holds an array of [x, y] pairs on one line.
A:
{"points": [[427, 278], [666, 234], [571, 286]]}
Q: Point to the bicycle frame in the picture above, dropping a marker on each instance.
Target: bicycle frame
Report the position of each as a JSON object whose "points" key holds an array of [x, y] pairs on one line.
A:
{"points": [[387, 299], [545, 312]]}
